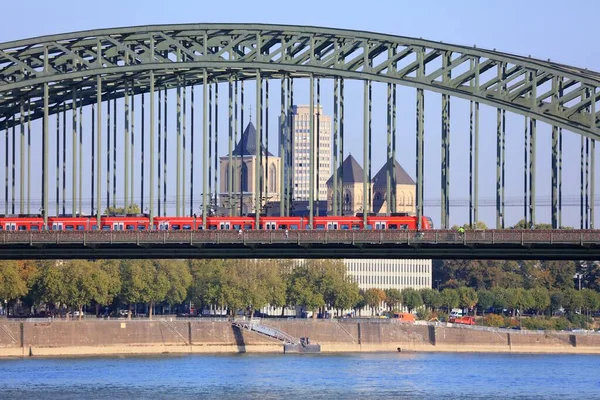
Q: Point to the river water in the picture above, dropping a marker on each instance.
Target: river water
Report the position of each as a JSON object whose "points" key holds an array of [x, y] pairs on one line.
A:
{"points": [[381, 376]]}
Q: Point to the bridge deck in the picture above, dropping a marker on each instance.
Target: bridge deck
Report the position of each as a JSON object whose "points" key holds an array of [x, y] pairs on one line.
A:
{"points": [[480, 244]]}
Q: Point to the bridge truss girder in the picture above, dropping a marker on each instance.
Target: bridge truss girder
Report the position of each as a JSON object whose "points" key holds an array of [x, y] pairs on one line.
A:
{"points": [[557, 94]]}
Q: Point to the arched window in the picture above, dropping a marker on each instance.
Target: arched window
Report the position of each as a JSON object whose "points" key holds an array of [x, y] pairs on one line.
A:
{"points": [[347, 201], [272, 179], [244, 177]]}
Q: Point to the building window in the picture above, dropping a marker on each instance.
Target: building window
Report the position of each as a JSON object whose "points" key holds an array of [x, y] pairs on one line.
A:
{"points": [[244, 178]]}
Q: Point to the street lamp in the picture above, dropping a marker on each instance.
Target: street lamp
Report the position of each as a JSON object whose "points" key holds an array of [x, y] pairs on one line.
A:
{"points": [[437, 281]]}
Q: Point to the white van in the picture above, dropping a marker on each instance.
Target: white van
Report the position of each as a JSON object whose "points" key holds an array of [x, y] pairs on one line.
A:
{"points": [[456, 312]]}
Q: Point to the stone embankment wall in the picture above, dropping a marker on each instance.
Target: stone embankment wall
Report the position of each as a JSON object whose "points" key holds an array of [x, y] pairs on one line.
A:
{"points": [[63, 338]]}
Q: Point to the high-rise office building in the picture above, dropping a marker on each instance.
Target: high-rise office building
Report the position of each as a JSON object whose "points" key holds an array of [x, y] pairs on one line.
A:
{"points": [[300, 156]]}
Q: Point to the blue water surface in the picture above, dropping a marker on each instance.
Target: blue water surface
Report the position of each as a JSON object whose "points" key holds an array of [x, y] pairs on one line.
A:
{"points": [[323, 376]]}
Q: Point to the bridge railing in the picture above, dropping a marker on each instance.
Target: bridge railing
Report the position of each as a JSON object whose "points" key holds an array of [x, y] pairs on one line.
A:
{"points": [[431, 237]]}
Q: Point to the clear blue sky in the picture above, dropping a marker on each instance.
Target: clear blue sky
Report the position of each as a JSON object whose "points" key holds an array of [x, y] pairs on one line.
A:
{"points": [[561, 31]]}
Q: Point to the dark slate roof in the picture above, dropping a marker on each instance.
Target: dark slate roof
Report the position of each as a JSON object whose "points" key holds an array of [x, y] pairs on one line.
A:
{"points": [[247, 144], [353, 172], [402, 177]]}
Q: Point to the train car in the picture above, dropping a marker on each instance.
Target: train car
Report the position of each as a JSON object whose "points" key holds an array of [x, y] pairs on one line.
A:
{"points": [[142, 222], [68, 223], [21, 223]]}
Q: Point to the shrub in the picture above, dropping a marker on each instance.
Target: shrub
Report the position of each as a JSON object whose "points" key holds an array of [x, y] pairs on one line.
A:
{"points": [[561, 323], [493, 320], [424, 314]]}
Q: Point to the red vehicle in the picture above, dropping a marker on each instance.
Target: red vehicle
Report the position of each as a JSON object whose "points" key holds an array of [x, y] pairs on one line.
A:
{"points": [[142, 222], [462, 320]]}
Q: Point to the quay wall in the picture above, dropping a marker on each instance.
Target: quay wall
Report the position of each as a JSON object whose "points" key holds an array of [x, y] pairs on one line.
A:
{"points": [[100, 337]]}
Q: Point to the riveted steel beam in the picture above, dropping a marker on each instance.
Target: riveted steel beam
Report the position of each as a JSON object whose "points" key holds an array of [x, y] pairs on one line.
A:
{"points": [[295, 50]]}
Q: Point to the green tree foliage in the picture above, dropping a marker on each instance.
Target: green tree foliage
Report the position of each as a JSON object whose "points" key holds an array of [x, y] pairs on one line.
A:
{"points": [[431, 299], [467, 297], [13, 282], [373, 298], [411, 299], [131, 209], [591, 300], [179, 280], [573, 300], [393, 297], [562, 273], [450, 298], [304, 289], [485, 300], [540, 299]]}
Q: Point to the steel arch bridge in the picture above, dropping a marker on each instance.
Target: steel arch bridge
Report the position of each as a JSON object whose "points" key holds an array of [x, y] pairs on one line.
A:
{"points": [[52, 75]]}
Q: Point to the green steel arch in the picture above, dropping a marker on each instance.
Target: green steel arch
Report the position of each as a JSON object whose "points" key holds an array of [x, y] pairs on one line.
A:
{"points": [[560, 95]]}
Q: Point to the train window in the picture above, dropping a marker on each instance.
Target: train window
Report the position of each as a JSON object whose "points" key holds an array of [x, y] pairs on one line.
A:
{"points": [[294, 227], [33, 228], [212, 227], [368, 227], [392, 226], [22, 228], [1, 228], [106, 227], [81, 227], [404, 227], [176, 227], [320, 226], [237, 227], [130, 227], [187, 227], [344, 227], [355, 227], [283, 226], [141, 228], [69, 228], [247, 227], [94, 227]]}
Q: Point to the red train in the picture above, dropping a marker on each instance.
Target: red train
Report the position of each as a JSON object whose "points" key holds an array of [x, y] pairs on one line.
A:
{"points": [[142, 222]]}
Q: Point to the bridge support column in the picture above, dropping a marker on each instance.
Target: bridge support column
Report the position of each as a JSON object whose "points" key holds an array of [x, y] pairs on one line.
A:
{"points": [[445, 203], [192, 137], [108, 153], [22, 159], [57, 198], [93, 163], [394, 199], [159, 141], [318, 138], [114, 166], [554, 169], [142, 152], [311, 141], [126, 139], [258, 159], [152, 166], [184, 151], [99, 147], [231, 144], [366, 152], [474, 149], [420, 140], [532, 151], [132, 149], [29, 157], [341, 157], [46, 144], [390, 159], [165, 151], [208, 151], [216, 143], [73, 158], [178, 150], [204, 142], [241, 155]]}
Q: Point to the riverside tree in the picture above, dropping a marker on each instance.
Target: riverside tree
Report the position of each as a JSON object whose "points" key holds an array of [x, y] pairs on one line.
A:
{"points": [[13, 284]]}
